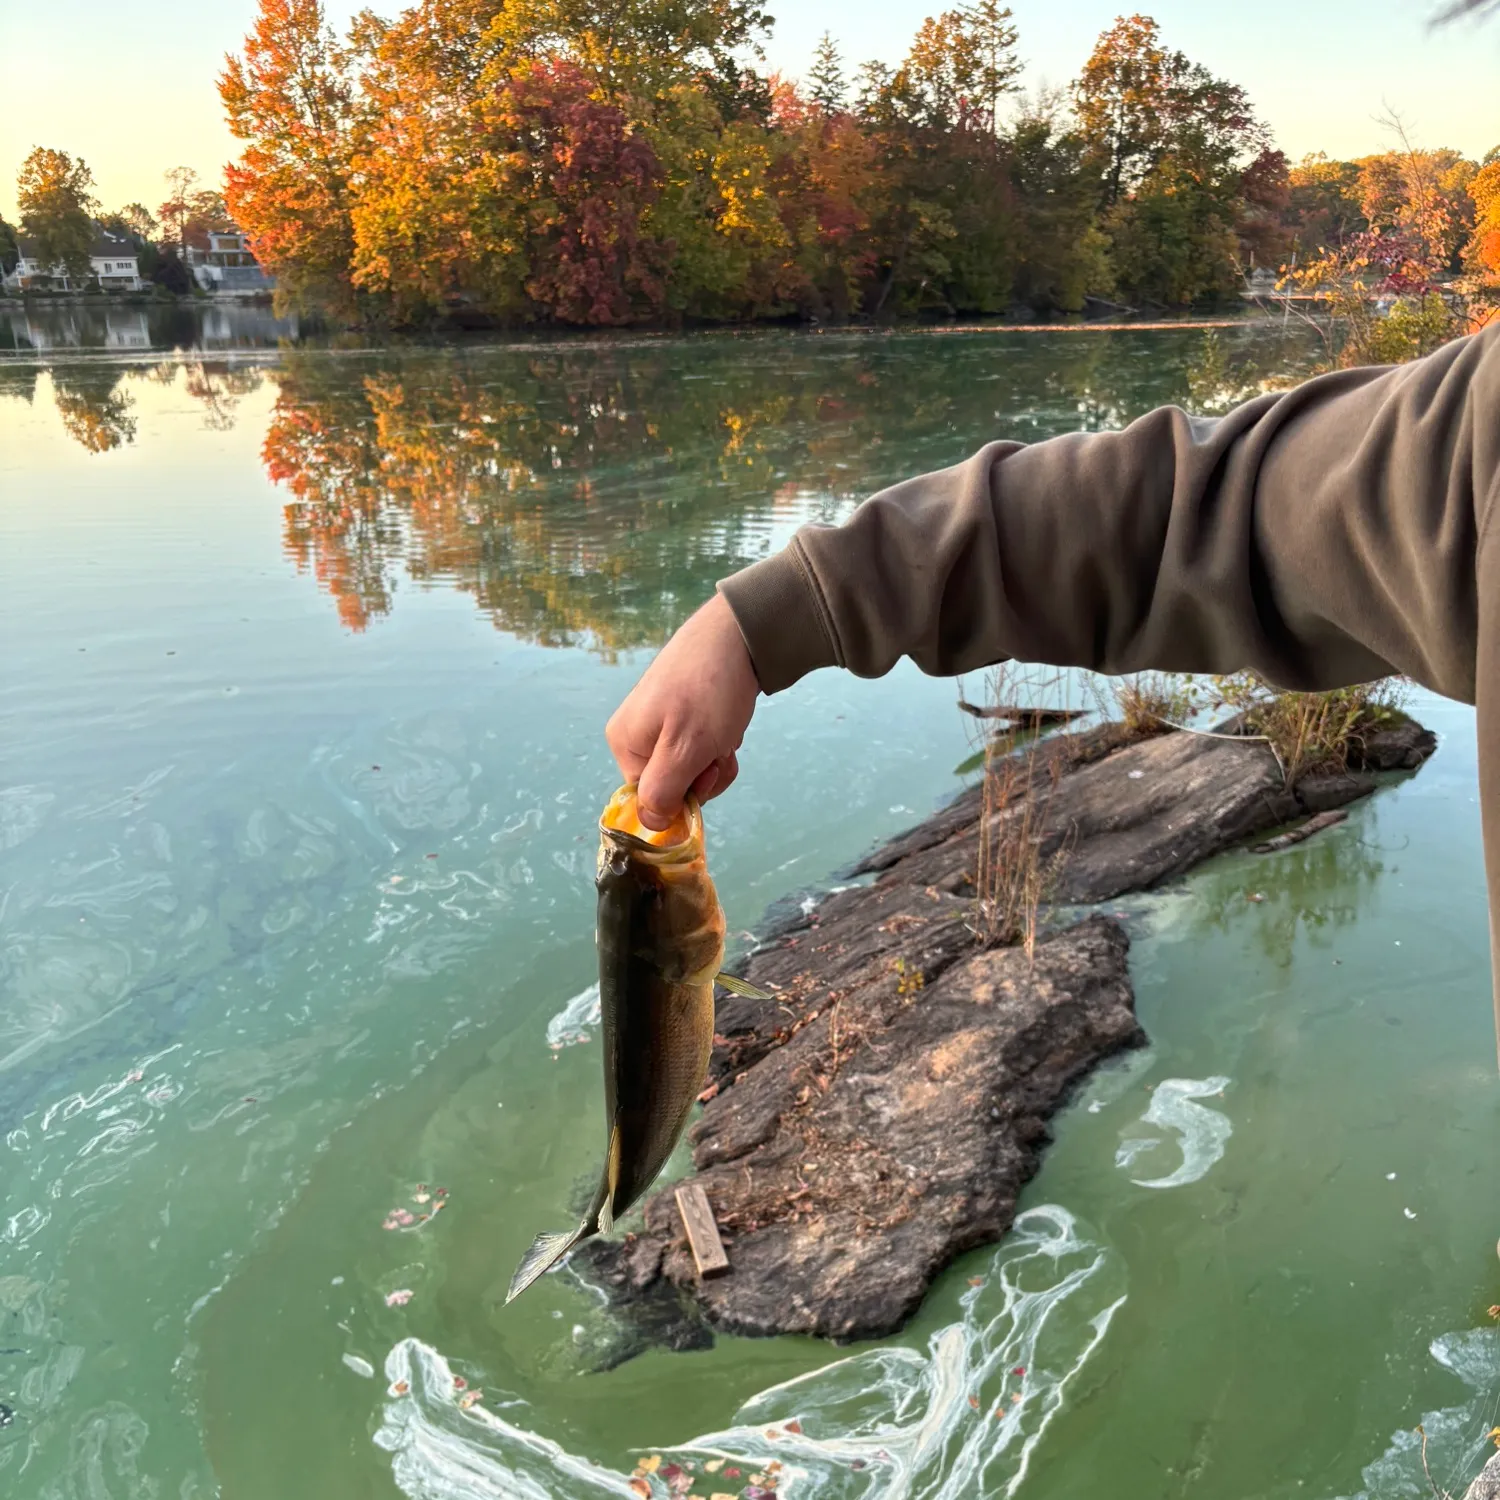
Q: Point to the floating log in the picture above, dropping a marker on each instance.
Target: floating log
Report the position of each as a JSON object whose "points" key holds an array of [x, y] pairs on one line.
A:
{"points": [[702, 1232], [1303, 831]]}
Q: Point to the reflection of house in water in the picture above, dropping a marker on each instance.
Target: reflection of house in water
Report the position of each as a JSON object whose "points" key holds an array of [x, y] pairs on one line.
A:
{"points": [[78, 328], [224, 264], [243, 327]]}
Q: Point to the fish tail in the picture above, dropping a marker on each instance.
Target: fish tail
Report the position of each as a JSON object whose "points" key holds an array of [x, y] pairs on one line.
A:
{"points": [[546, 1250]]}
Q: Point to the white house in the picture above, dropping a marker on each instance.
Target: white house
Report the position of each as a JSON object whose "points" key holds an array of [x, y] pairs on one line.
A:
{"points": [[225, 263], [113, 266]]}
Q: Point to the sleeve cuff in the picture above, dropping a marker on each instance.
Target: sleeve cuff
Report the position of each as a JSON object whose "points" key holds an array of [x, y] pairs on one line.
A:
{"points": [[781, 615]]}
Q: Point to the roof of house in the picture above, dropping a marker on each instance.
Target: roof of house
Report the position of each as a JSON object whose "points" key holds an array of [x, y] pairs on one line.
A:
{"points": [[106, 246]]}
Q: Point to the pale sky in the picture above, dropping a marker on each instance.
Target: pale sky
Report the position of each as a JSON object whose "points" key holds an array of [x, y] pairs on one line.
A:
{"points": [[132, 90]]}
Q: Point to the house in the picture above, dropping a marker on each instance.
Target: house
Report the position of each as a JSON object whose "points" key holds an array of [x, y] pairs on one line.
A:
{"points": [[113, 266], [224, 262]]}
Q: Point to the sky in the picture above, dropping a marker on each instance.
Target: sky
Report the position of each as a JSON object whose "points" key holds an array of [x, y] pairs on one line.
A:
{"points": [[132, 92]]}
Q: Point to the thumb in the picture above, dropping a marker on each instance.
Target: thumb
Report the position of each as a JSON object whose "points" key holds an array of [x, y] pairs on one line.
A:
{"points": [[669, 773]]}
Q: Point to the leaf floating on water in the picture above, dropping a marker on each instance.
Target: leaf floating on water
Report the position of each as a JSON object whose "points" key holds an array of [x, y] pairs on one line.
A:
{"points": [[470, 1398], [459, 1383], [399, 1298], [976, 1281], [974, 1402], [1019, 1370], [794, 1427], [649, 1465], [715, 1464], [641, 1488], [400, 1388]]}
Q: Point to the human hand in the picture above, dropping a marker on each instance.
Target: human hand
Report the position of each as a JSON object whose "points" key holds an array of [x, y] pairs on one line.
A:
{"points": [[680, 726]]}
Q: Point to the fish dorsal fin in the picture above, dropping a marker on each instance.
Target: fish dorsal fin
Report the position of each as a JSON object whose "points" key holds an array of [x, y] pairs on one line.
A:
{"points": [[741, 987], [611, 1181]]}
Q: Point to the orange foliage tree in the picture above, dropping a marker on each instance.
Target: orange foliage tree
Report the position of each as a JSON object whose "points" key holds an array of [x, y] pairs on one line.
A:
{"points": [[290, 99]]}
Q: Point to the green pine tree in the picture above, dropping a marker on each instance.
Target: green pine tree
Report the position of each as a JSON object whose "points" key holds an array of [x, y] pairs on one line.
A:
{"points": [[827, 84]]}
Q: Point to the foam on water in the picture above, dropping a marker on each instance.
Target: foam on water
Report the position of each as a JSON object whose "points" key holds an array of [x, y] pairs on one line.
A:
{"points": [[575, 1021], [1201, 1132], [960, 1419], [1458, 1437]]}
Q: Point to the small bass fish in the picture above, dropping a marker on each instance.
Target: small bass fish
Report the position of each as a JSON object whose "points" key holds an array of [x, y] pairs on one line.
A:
{"points": [[660, 936]]}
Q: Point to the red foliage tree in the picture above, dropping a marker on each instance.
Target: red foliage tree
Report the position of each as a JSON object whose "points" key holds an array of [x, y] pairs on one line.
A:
{"points": [[594, 176]]}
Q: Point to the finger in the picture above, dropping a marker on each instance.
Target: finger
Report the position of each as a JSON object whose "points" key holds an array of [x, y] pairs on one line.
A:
{"points": [[622, 744], [707, 782], [674, 766], [725, 771]]}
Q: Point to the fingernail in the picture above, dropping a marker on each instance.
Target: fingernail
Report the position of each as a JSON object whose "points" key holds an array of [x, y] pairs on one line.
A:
{"points": [[652, 819]]}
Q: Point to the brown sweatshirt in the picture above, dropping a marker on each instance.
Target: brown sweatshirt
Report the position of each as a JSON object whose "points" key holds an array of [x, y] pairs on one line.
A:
{"points": [[1323, 536]]}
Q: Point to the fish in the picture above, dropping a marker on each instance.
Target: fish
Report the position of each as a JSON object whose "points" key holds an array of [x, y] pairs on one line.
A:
{"points": [[660, 939]]}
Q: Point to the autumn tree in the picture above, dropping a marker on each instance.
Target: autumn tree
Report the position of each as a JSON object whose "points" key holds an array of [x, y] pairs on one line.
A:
{"points": [[1420, 193], [1172, 143], [177, 205], [291, 101], [10, 251], [55, 193], [207, 212], [827, 86], [1324, 207], [1483, 252], [1061, 256], [138, 221]]}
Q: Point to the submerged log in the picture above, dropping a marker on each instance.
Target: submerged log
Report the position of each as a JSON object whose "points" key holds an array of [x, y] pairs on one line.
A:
{"points": [[1023, 718], [1302, 832]]}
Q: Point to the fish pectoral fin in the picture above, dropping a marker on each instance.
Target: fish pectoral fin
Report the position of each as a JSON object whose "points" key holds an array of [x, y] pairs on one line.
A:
{"points": [[546, 1250], [611, 1181], [741, 987]]}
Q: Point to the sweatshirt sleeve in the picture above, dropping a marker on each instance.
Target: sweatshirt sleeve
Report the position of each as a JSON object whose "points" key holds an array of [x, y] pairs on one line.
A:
{"points": [[1323, 536]]}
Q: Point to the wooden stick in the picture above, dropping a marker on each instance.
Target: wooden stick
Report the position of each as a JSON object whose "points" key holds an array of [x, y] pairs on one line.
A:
{"points": [[702, 1232]]}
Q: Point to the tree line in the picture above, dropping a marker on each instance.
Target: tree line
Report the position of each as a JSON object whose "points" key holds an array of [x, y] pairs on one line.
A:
{"points": [[61, 218], [552, 162]]}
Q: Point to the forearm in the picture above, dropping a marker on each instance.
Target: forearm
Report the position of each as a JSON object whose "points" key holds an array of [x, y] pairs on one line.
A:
{"points": [[1322, 536]]}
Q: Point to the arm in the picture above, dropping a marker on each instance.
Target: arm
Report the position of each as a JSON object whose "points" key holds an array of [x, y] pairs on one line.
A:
{"points": [[1322, 536]]}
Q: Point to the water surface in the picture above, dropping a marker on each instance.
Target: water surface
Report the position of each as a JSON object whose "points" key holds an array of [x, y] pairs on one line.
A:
{"points": [[307, 657]]}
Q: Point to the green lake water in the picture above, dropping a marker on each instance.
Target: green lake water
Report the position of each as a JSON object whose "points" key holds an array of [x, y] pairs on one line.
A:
{"points": [[306, 657]]}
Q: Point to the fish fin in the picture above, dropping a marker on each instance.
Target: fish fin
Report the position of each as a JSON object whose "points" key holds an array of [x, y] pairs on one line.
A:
{"points": [[611, 1181], [546, 1250], [741, 987]]}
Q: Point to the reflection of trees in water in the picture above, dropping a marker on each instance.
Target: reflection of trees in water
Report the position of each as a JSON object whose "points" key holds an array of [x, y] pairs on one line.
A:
{"points": [[217, 386], [96, 411], [595, 491], [18, 381], [1317, 887]]}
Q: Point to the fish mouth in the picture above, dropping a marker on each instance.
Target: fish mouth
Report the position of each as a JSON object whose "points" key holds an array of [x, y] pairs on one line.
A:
{"points": [[621, 823]]}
